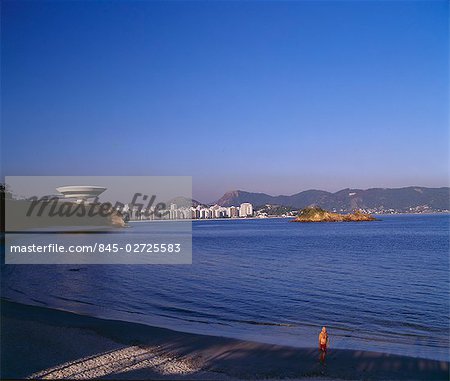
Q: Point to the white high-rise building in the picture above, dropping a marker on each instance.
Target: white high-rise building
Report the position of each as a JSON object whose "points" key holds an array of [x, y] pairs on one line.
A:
{"points": [[245, 210]]}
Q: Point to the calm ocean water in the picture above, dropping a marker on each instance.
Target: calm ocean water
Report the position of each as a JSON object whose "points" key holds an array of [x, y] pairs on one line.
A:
{"points": [[380, 286]]}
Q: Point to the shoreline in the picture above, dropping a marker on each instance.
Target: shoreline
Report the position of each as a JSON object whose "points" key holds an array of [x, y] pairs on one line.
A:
{"points": [[49, 343], [281, 217], [213, 219]]}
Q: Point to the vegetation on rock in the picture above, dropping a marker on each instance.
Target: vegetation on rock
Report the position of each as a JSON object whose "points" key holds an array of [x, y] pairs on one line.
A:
{"points": [[316, 214]]}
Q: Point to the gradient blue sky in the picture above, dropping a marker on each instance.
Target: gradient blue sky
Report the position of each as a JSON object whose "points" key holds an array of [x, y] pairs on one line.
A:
{"points": [[276, 97]]}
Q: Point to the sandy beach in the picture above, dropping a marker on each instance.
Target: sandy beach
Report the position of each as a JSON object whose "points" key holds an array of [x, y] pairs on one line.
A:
{"points": [[51, 344]]}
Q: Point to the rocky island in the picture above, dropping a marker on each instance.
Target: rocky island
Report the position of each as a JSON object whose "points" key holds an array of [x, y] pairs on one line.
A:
{"points": [[317, 214]]}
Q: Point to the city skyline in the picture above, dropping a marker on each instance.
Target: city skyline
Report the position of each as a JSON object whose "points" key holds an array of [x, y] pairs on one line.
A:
{"points": [[272, 97]]}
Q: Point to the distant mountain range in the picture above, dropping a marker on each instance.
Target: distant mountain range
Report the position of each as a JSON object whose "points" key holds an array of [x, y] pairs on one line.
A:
{"points": [[184, 202], [375, 199]]}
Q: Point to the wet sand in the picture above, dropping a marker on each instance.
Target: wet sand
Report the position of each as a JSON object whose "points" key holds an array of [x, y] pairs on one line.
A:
{"points": [[37, 342]]}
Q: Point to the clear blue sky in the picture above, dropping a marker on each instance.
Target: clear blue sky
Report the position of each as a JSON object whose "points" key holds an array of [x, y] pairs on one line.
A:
{"points": [[276, 97]]}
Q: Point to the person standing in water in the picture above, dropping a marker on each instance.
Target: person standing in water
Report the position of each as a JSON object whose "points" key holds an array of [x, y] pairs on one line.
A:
{"points": [[323, 344]]}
